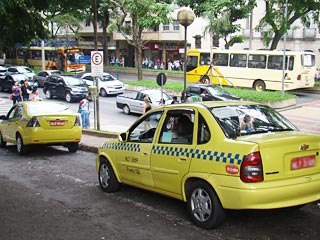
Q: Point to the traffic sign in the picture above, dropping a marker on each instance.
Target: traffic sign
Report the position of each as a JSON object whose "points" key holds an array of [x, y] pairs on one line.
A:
{"points": [[84, 59], [96, 63], [161, 79]]}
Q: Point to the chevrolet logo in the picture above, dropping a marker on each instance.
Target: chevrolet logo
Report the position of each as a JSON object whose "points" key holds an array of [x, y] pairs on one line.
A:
{"points": [[304, 147]]}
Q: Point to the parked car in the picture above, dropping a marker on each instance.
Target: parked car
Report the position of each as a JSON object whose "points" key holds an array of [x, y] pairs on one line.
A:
{"points": [[40, 123], [132, 101], [108, 84], [41, 77], [209, 92], [67, 87], [3, 71], [7, 82], [22, 70], [201, 153]]}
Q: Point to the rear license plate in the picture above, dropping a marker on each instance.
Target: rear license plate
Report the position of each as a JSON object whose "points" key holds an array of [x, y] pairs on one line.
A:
{"points": [[57, 123], [303, 162]]}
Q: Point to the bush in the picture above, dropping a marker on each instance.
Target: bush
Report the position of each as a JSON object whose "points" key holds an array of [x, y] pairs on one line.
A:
{"points": [[245, 94]]}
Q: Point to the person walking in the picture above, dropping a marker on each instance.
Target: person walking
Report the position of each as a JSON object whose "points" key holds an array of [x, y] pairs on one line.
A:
{"points": [[26, 90], [85, 108], [16, 93]]}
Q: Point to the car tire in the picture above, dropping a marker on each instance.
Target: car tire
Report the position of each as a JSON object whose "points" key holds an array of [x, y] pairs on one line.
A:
{"points": [[205, 79], [3, 144], [73, 147], [1, 89], [126, 109], [203, 205], [107, 179], [68, 97], [48, 94], [259, 85], [21, 148], [103, 92]]}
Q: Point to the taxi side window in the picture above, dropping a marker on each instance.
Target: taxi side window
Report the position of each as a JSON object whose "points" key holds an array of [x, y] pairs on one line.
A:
{"points": [[178, 127], [144, 131], [203, 131], [19, 112]]}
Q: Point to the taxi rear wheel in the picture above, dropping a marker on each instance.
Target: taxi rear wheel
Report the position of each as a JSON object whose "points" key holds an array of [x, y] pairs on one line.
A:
{"points": [[2, 142], [21, 148], [204, 206], [107, 179], [73, 147]]}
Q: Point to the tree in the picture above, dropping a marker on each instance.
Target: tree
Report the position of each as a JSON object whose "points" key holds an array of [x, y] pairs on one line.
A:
{"points": [[276, 22], [135, 16], [21, 21], [222, 16]]}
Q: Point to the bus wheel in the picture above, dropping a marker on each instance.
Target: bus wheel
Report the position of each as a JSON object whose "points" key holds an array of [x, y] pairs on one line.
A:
{"points": [[259, 85], [205, 80]]}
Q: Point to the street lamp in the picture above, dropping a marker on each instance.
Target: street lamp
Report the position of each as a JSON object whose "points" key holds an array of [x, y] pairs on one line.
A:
{"points": [[185, 17]]}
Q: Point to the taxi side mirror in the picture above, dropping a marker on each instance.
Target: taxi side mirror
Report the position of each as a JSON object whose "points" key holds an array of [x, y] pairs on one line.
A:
{"points": [[3, 117], [123, 137]]}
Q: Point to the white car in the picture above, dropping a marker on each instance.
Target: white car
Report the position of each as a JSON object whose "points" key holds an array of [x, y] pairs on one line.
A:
{"points": [[108, 84], [133, 101], [13, 70]]}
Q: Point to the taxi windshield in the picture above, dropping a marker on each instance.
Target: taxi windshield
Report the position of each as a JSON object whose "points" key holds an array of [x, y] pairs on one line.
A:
{"points": [[47, 107], [242, 120]]}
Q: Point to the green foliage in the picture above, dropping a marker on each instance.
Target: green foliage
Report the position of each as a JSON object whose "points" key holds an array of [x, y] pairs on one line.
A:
{"points": [[274, 24], [265, 96], [245, 94], [21, 21]]}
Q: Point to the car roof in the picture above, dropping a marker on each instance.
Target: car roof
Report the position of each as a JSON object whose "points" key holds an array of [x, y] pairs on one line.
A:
{"points": [[209, 104]]}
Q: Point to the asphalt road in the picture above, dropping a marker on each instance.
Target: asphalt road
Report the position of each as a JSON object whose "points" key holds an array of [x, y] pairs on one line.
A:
{"points": [[53, 194]]}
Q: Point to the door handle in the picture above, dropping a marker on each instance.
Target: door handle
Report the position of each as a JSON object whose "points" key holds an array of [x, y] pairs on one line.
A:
{"points": [[182, 159], [144, 154]]}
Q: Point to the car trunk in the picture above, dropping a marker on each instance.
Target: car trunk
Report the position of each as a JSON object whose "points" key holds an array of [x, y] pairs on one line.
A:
{"points": [[287, 154], [56, 122]]}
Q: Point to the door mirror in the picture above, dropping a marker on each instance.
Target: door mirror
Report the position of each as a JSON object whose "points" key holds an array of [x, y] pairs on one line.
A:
{"points": [[123, 137]]}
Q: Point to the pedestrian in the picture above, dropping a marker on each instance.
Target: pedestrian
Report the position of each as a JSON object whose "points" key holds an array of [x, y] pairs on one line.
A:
{"points": [[85, 108], [26, 90], [16, 93], [147, 107], [174, 100], [35, 95]]}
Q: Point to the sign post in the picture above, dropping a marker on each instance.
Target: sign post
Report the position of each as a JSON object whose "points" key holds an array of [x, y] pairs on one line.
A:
{"points": [[96, 72]]}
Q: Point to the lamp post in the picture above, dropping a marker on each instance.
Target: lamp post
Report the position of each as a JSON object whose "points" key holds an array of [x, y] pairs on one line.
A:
{"points": [[185, 17]]}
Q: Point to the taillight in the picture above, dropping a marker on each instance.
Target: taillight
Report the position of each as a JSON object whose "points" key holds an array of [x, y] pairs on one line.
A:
{"points": [[251, 168], [299, 77], [77, 122], [33, 122]]}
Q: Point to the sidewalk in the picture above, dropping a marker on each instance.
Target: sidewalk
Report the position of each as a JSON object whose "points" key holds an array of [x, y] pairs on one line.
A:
{"points": [[306, 117]]}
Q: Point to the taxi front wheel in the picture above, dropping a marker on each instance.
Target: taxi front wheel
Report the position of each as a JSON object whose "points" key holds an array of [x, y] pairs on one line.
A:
{"points": [[204, 206], [107, 179], [21, 148]]}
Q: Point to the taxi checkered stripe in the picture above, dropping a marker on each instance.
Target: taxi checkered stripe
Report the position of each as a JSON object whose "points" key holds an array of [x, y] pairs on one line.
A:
{"points": [[132, 147], [199, 154], [172, 151]]}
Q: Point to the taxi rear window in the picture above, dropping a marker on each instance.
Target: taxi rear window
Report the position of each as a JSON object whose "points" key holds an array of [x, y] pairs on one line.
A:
{"points": [[241, 120]]}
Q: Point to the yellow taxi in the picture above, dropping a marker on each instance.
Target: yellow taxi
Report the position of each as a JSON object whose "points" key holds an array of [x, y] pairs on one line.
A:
{"points": [[215, 156], [40, 122]]}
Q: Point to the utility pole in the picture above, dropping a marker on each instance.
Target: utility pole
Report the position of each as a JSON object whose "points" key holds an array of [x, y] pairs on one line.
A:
{"points": [[96, 99]]}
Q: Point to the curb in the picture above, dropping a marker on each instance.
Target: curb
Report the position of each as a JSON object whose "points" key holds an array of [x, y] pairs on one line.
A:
{"points": [[88, 148], [99, 133]]}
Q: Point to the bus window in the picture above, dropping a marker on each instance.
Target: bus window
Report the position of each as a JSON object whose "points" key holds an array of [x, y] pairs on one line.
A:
{"points": [[192, 63], [36, 54], [257, 61], [238, 60], [291, 63], [308, 60], [220, 59], [204, 58], [275, 62]]}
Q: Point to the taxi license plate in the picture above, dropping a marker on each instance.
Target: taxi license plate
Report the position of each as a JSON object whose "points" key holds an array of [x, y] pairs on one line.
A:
{"points": [[303, 162], [57, 123]]}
